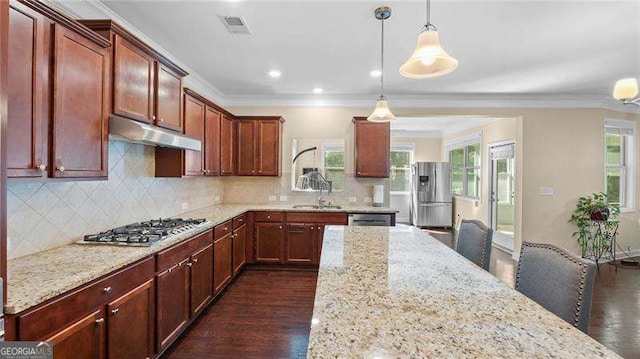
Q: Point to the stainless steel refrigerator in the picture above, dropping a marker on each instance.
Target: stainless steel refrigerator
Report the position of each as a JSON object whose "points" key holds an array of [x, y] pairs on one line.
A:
{"points": [[431, 201]]}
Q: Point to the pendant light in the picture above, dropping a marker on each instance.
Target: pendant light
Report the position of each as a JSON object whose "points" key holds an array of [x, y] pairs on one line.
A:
{"points": [[382, 113], [625, 91], [429, 58]]}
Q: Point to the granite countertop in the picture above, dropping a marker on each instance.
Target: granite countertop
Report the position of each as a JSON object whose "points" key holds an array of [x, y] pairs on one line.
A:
{"points": [[36, 278], [396, 292]]}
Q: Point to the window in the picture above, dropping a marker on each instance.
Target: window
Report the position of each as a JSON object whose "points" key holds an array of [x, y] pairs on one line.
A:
{"points": [[401, 158], [334, 165], [619, 164], [464, 157]]}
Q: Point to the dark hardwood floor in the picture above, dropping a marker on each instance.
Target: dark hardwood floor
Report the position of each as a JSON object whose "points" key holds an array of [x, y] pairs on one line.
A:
{"points": [[267, 313]]}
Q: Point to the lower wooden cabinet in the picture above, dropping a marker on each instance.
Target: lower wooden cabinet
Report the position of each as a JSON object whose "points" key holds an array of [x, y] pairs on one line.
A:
{"points": [[82, 339], [269, 238], [222, 257], [173, 303], [299, 245], [239, 247], [130, 324], [201, 279]]}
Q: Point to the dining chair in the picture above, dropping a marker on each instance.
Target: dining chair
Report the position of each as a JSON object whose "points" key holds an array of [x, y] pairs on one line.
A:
{"points": [[557, 280], [474, 242]]}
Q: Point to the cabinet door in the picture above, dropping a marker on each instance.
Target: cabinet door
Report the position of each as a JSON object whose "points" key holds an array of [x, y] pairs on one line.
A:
{"points": [[133, 81], [80, 106], [227, 145], [319, 240], [299, 244], [193, 127], [201, 279], [130, 322], [27, 99], [372, 149], [268, 148], [173, 303], [239, 246], [222, 253], [82, 339], [269, 240], [212, 142], [169, 99], [246, 148]]}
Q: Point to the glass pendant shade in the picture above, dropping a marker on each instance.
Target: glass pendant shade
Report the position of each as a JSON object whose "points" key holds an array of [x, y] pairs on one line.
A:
{"points": [[381, 113], [429, 58], [625, 89]]}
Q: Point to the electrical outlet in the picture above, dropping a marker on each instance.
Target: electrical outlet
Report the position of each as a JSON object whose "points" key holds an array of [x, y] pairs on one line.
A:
{"points": [[216, 198], [368, 200], [272, 198], [353, 199], [185, 205], [283, 198]]}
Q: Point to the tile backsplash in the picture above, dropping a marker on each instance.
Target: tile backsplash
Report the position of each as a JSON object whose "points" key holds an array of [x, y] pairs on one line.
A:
{"points": [[44, 215]]}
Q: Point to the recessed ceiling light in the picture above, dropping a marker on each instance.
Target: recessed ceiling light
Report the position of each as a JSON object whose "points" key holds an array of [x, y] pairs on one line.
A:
{"points": [[375, 73], [275, 73], [317, 90]]}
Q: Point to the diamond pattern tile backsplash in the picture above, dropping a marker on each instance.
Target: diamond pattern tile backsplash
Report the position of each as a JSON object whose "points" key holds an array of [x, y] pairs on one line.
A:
{"points": [[47, 215]]}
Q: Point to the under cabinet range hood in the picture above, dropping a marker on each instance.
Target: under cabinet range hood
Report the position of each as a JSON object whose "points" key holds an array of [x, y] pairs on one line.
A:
{"points": [[124, 129]]}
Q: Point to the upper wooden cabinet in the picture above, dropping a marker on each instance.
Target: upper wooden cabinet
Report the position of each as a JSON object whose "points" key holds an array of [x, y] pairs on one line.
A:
{"points": [[147, 86], [227, 145], [59, 95], [212, 141], [258, 145], [194, 116], [372, 148]]}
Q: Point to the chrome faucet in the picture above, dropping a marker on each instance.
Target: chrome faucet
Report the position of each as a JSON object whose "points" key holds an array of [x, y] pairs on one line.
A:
{"points": [[315, 180]]}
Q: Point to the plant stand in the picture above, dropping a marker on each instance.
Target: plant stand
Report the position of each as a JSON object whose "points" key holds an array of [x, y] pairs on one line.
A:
{"points": [[602, 242]]}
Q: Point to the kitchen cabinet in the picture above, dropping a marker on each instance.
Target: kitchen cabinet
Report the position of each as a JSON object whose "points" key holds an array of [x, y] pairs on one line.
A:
{"points": [[227, 145], [258, 145], [194, 112], [269, 236], [80, 85], [83, 322], [130, 324], [82, 339], [183, 282], [372, 148], [146, 85], [239, 243], [212, 141], [58, 104], [27, 101], [300, 243], [223, 256]]}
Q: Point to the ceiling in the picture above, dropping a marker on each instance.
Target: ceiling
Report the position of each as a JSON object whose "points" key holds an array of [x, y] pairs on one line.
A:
{"points": [[536, 48]]}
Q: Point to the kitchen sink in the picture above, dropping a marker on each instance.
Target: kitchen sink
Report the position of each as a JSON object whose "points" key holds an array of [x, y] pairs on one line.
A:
{"points": [[314, 206]]}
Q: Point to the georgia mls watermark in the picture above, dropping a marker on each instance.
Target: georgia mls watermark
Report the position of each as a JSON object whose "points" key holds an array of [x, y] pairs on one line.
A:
{"points": [[26, 350]]}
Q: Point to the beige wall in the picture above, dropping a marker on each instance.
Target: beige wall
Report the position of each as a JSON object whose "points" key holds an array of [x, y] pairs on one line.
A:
{"points": [[426, 149]]}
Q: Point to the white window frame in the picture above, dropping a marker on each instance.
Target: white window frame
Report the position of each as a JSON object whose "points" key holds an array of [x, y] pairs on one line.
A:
{"points": [[402, 147], [463, 142], [628, 156], [328, 146]]}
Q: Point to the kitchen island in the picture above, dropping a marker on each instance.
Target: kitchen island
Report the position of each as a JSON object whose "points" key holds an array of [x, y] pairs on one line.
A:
{"points": [[397, 292]]}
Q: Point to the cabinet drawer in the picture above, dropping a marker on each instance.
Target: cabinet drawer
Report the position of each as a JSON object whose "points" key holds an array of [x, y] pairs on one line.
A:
{"points": [[223, 230], [239, 221], [315, 217], [170, 257], [269, 216], [38, 323]]}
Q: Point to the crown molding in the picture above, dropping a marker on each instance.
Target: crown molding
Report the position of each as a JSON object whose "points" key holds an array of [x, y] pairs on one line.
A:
{"points": [[94, 9]]}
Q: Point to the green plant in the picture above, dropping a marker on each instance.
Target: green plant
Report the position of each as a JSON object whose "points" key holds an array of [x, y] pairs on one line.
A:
{"points": [[595, 218]]}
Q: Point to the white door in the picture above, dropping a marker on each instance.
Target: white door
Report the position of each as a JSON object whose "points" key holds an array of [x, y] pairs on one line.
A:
{"points": [[502, 194]]}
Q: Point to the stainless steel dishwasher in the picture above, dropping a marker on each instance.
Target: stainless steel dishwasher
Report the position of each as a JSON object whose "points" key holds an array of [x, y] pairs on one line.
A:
{"points": [[370, 219]]}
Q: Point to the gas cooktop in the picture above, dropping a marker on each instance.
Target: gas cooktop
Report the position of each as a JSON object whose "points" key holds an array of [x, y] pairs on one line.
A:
{"points": [[144, 234]]}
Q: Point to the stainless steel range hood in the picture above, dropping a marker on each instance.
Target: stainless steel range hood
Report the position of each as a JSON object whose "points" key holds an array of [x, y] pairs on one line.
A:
{"points": [[124, 129]]}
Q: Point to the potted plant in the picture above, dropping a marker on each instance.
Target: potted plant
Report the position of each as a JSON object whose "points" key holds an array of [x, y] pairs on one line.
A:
{"points": [[594, 211]]}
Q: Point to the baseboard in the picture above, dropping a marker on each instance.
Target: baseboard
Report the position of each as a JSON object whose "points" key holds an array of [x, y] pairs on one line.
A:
{"points": [[502, 248], [619, 255]]}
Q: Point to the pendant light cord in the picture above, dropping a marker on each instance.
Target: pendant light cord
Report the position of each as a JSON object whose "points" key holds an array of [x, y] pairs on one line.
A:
{"points": [[428, 11], [382, 61]]}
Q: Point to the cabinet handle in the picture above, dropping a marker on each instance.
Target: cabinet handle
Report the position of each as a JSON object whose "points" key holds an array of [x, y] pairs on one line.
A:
{"points": [[153, 117], [169, 270], [195, 260], [107, 289], [359, 172], [161, 119], [61, 168], [99, 321], [42, 167], [225, 228], [189, 264], [180, 264], [268, 217], [115, 311], [311, 227], [280, 227]]}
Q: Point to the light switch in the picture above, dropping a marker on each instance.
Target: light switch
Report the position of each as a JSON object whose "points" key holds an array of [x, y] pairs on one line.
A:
{"points": [[216, 198], [546, 191], [368, 200], [283, 198], [272, 198], [185, 205], [353, 199]]}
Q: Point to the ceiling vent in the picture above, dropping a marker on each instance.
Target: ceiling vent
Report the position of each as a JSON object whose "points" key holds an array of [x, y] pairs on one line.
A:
{"points": [[235, 24]]}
